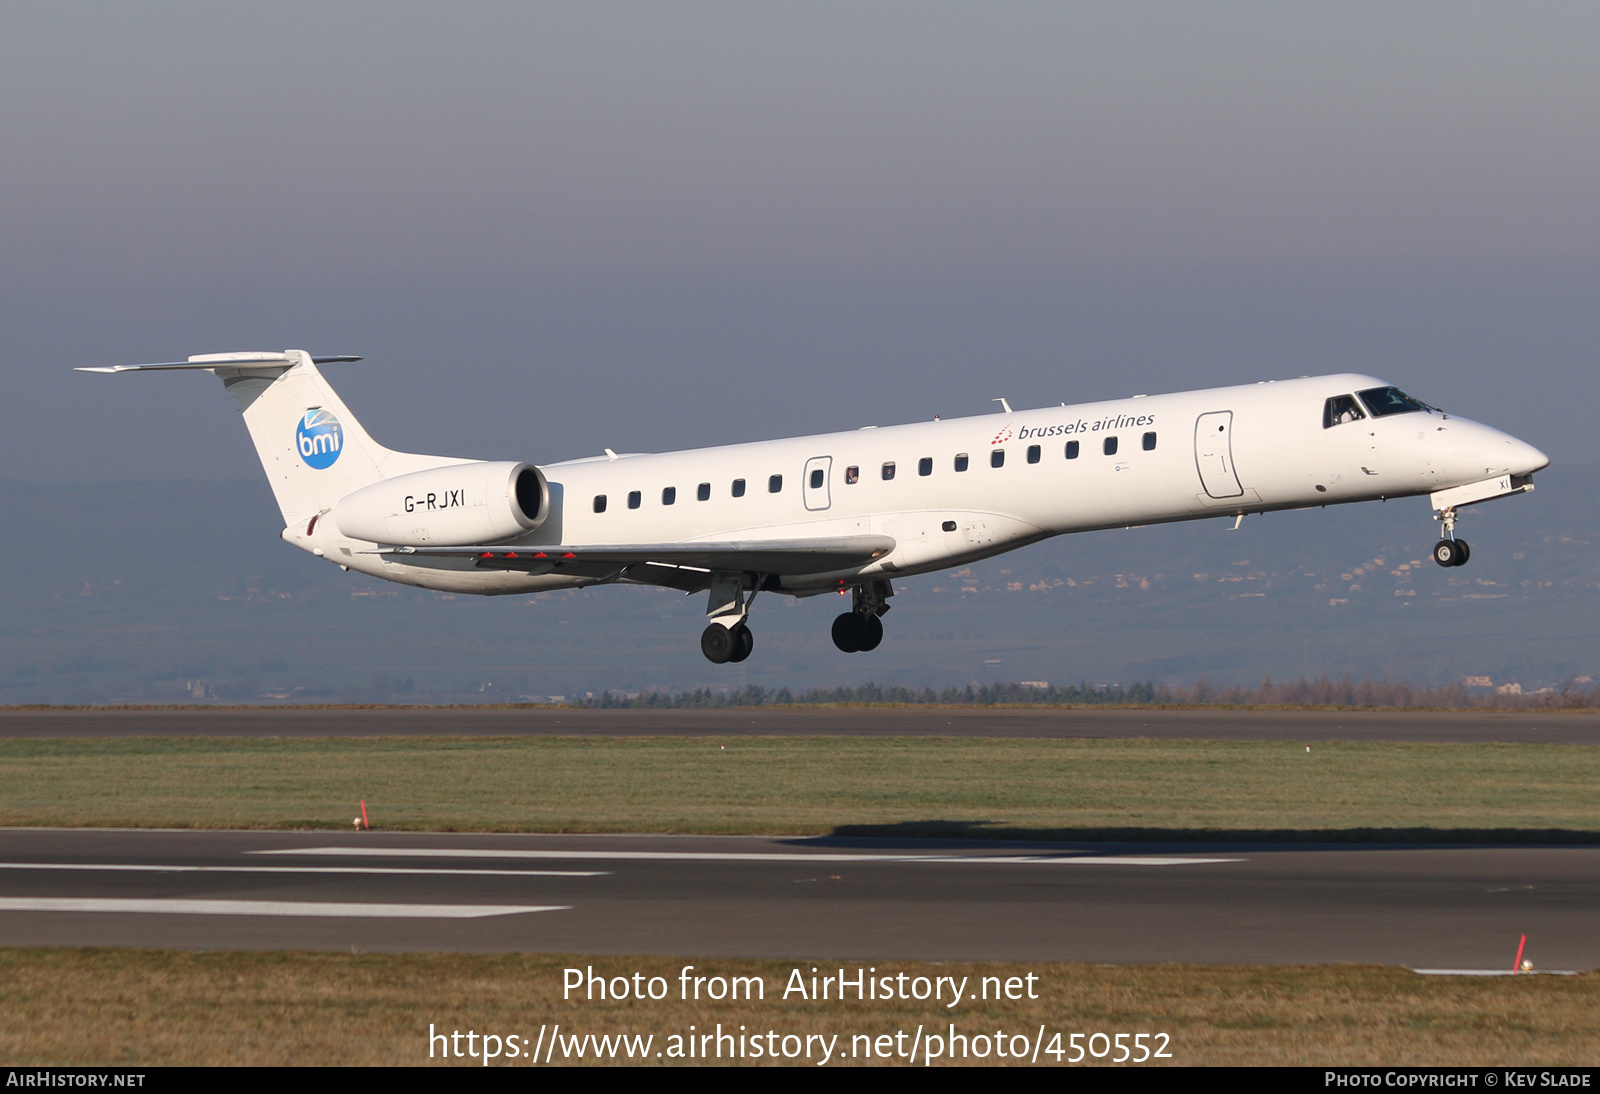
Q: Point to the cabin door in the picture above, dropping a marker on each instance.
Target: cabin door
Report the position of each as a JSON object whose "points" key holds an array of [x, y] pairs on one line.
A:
{"points": [[1213, 454], [815, 482]]}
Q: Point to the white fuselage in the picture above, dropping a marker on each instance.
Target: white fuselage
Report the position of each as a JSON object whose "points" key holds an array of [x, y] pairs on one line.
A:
{"points": [[1181, 456]]}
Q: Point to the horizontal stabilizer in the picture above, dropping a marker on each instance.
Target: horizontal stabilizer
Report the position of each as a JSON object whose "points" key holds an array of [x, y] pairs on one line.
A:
{"points": [[775, 556], [218, 360]]}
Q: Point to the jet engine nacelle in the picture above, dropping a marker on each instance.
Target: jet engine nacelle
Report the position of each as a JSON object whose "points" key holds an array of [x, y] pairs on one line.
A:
{"points": [[462, 504]]}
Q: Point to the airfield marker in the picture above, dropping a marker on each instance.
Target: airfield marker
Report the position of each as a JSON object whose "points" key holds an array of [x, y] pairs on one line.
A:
{"points": [[364, 822], [1516, 966]]}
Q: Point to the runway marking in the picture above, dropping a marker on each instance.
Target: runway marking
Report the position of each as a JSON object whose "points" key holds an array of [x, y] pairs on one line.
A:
{"points": [[745, 856], [271, 908], [161, 869]]}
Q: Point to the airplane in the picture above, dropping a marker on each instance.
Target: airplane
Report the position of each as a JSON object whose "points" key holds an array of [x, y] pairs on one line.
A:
{"points": [[845, 513]]}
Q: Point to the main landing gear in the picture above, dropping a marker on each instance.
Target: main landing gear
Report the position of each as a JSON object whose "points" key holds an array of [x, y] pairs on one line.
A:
{"points": [[721, 644], [860, 629], [1450, 551], [727, 637]]}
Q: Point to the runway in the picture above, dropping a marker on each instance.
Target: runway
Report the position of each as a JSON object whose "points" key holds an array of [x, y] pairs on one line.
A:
{"points": [[1556, 727], [1424, 907]]}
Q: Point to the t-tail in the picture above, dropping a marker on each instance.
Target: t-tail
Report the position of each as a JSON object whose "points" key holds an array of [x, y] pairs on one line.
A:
{"points": [[312, 448]]}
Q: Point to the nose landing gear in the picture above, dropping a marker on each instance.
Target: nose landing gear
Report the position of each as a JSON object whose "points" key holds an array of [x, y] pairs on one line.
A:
{"points": [[1450, 551], [861, 629]]}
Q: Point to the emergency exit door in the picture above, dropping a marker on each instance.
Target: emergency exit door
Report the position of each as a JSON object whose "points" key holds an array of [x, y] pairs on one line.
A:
{"points": [[815, 483]]}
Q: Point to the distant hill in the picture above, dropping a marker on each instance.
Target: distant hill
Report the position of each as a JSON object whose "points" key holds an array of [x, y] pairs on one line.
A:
{"points": [[162, 592]]}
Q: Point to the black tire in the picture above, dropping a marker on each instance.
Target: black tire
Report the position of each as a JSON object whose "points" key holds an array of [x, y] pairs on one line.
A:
{"points": [[1447, 553], [870, 631], [718, 644], [1466, 552], [847, 633], [744, 642]]}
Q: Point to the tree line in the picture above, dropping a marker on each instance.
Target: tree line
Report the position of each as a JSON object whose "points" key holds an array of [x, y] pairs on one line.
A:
{"points": [[1320, 692]]}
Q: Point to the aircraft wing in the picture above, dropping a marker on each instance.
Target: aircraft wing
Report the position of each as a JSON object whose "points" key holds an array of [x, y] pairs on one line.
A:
{"points": [[766, 556]]}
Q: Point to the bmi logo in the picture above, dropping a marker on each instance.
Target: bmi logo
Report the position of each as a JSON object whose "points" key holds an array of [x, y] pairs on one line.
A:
{"points": [[319, 438]]}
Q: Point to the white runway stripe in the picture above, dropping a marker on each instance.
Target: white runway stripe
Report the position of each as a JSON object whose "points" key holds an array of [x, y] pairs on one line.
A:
{"points": [[270, 907], [160, 869], [743, 856]]}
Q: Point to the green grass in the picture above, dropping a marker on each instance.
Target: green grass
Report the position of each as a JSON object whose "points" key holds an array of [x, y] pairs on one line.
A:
{"points": [[131, 1008], [952, 786]]}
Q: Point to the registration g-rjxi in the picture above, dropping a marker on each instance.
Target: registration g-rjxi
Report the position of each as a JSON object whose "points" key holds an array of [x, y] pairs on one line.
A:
{"points": [[845, 513]]}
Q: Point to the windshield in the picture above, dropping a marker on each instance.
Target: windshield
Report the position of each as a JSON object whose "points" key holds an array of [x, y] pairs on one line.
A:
{"points": [[1383, 401]]}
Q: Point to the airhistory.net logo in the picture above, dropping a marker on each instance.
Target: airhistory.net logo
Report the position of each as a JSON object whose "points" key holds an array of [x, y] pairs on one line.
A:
{"points": [[319, 438]]}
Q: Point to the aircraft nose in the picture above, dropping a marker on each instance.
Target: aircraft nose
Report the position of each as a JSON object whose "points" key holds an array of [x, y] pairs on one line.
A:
{"points": [[1526, 459]]}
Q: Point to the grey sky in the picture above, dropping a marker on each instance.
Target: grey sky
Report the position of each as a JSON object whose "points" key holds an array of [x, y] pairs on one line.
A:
{"points": [[566, 226], [605, 137]]}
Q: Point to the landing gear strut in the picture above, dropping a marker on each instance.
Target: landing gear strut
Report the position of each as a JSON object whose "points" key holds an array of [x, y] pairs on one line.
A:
{"points": [[861, 629], [1450, 551]]}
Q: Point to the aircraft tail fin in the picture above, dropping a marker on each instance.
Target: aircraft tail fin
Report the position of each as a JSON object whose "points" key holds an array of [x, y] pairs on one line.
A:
{"points": [[312, 448]]}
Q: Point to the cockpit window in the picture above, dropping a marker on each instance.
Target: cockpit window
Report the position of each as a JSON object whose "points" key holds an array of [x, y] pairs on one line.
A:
{"points": [[1341, 409], [1384, 401]]}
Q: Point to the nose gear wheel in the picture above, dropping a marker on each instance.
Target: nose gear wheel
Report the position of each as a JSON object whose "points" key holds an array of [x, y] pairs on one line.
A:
{"points": [[1451, 552]]}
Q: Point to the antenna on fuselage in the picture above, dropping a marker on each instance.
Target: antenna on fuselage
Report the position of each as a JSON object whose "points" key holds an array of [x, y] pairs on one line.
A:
{"points": [[1003, 403]]}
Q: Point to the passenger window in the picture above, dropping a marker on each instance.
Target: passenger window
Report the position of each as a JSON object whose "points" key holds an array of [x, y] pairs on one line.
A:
{"points": [[1110, 447], [1072, 450], [738, 488], [888, 471], [634, 498], [1033, 453], [669, 494], [949, 526], [774, 484], [599, 503], [925, 466], [816, 479], [961, 461], [1339, 410], [852, 475], [703, 491], [997, 458], [1149, 442]]}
